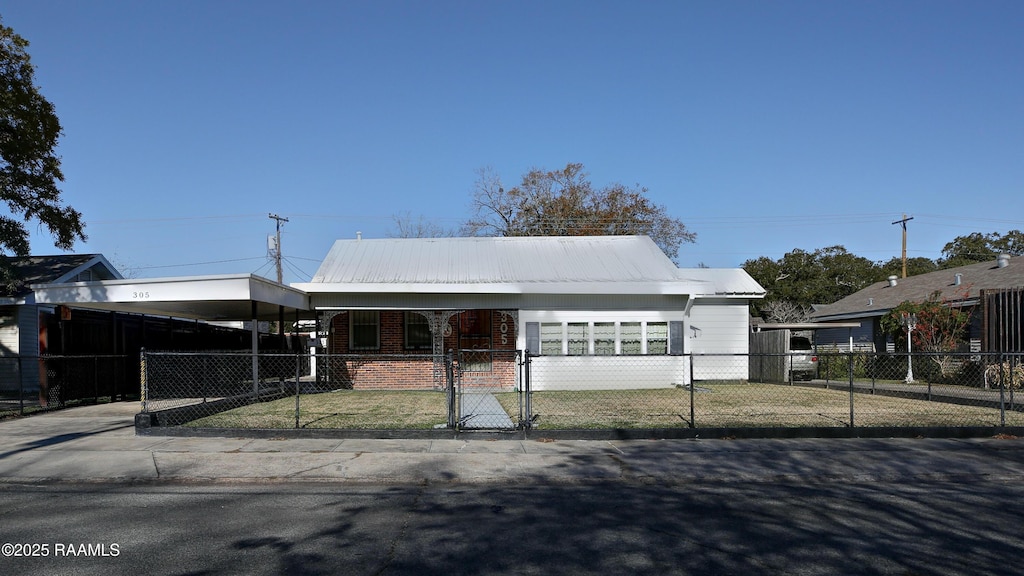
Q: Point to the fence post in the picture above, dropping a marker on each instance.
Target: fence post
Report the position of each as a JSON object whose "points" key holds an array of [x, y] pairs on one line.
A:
{"points": [[693, 384], [298, 370], [449, 376], [850, 356], [144, 392], [1002, 391], [528, 387]]}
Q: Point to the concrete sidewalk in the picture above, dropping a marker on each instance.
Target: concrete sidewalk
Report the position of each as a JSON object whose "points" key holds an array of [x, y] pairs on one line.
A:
{"points": [[98, 444]]}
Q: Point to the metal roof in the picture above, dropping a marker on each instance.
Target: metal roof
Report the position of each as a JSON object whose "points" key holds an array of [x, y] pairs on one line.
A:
{"points": [[495, 260], [878, 298], [556, 265], [722, 281], [219, 297]]}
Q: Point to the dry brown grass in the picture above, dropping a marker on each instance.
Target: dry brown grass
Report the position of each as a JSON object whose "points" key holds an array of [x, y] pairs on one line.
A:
{"points": [[715, 405]]}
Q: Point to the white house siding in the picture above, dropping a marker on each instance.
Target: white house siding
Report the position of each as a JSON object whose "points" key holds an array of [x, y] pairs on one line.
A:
{"points": [[28, 320], [9, 372], [719, 328], [586, 371], [9, 333], [19, 347]]}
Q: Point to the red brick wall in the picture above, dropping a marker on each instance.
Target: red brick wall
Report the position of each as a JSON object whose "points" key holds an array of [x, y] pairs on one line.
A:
{"points": [[415, 371]]}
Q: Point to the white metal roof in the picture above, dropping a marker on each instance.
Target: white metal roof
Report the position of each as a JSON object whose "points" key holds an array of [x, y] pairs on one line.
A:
{"points": [[518, 265], [722, 282], [495, 260], [219, 297]]}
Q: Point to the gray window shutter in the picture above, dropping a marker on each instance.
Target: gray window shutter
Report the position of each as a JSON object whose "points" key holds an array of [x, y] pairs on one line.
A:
{"points": [[533, 337], [675, 338]]}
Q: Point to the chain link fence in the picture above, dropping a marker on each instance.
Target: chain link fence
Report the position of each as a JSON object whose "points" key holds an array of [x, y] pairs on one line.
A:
{"points": [[487, 389], [38, 383], [243, 390]]}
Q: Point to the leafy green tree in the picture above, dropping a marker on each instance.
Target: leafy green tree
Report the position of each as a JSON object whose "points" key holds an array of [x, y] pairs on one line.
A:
{"points": [[565, 203], [803, 279], [29, 167], [978, 247], [915, 266]]}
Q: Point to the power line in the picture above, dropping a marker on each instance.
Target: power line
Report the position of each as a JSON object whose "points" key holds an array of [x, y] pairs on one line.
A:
{"points": [[195, 263]]}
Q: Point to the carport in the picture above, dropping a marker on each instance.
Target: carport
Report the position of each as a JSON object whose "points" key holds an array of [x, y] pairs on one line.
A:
{"points": [[210, 298]]}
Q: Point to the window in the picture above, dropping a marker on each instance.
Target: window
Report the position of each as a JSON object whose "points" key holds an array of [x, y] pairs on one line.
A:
{"points": [[604, 338], [364, 330], [579, 339], [657, 338], [417, 331], [551, 338], [629, 335]]}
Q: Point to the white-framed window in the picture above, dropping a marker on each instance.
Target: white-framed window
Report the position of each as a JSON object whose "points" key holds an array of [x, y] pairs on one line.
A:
{"points": [[657, 338], [630, 338], [364, 330], [605, 338], [417, 332], [551, 337], [579, 338]]}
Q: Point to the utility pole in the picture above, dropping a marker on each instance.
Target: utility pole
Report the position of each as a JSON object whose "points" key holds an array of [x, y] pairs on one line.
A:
{"points": [[903, 223], [276, 253]]}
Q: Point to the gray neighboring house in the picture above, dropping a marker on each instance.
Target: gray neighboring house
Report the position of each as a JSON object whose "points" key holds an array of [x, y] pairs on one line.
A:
{"points": [[20, 325], [24, 323], [991, 291]]}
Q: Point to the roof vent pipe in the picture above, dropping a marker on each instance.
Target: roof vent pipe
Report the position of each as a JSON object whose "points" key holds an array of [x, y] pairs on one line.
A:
{"points": [[1003, 261], [958, 279], [892, 280], [359, 235]]}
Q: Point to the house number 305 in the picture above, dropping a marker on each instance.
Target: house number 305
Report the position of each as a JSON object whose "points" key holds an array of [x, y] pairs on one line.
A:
{"points": [[140, 295], [503, 328]]}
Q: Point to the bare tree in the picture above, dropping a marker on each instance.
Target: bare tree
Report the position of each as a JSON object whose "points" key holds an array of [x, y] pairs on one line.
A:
{"points": [[786, 312], [407, 226], [565, 203]]}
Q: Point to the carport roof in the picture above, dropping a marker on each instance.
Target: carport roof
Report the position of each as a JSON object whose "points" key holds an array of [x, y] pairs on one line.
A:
{"points": [[213, 298]]}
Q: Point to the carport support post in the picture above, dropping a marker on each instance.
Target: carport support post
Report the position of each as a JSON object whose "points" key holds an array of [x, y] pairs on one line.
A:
{"points": [[255, 352]]}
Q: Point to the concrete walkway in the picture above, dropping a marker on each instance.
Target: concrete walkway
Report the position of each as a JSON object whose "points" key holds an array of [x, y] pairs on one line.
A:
{"points": [[98, 444], [482, 410]]}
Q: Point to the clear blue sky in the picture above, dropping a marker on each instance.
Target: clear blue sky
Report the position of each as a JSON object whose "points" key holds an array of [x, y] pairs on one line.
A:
{"points": [[764, 126]]}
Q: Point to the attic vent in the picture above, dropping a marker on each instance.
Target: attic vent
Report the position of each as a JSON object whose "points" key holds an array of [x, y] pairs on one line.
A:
{"points": [[958, 279], [1003, 261], [892, 280], [871, 301]]}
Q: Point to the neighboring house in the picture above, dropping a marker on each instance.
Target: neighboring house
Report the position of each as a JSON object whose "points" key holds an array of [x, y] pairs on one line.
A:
{"points": [[991, 291], [28, 329], [23, 323], [589, 298]]}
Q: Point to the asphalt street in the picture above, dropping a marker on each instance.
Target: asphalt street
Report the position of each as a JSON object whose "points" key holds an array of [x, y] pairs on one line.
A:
{"points": [[81, 494]]}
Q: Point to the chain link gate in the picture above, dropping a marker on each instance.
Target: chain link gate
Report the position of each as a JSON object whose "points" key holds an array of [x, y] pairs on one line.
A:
{"points": [[489, 390]]}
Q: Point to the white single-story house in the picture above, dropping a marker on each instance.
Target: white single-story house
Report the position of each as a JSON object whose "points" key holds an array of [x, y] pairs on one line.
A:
{"points": [[592, 298], [583, 307]]}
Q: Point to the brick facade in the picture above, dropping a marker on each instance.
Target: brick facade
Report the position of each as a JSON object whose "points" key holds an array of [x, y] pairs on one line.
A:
{"points": [[395, 366]]}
